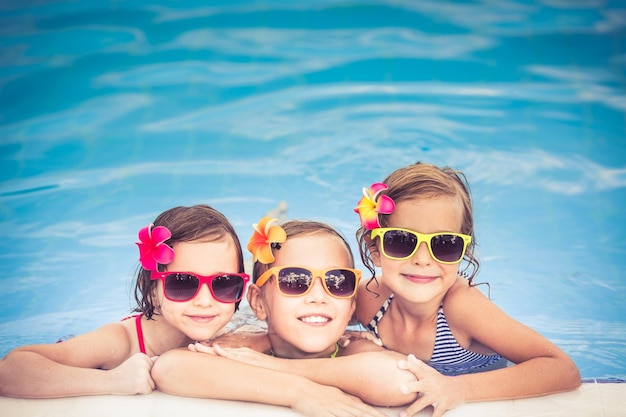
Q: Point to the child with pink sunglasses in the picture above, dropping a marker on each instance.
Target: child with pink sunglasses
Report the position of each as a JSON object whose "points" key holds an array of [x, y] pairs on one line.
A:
{"points": [[417, 227], [304, 290], [185, 248]]}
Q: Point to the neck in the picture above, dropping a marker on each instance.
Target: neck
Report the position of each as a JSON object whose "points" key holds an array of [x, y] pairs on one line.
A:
{"points": [[294, 353]]}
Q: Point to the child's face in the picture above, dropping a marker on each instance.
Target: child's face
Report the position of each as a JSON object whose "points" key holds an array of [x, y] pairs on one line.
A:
{"points": [[421, 278], [308, 325], [202, 316]]}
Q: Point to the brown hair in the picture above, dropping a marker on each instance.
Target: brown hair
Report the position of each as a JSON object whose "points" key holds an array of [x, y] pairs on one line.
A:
{"points": [[424, 180], [187, 224], [295, 228]]}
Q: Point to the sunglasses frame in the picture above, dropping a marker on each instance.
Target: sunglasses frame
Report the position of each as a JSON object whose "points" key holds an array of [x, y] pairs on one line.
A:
{"points": [[421, 238], [202, 279], [317, 273]]}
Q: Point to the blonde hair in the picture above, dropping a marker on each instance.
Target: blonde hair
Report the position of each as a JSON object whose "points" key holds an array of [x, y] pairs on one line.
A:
{"points": [[422, 180], [295, 228]]}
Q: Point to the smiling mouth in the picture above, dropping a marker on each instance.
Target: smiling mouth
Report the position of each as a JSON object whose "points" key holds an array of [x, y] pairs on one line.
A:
{"points": [[202, 319], [315, 319], [419, 279]]}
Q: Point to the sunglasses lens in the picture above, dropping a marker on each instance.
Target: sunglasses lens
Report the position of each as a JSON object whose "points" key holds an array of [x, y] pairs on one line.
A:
{"points": [[399, 243], [294, 281], [340, 282], [447, 248], [181, 287], [227, 288]]}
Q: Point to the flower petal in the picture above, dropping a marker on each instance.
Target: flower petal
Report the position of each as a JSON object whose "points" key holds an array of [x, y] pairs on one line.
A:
{"points": [[163, 254], [377, 187], [385, 205], [144, 234], [160, 234], [264, 254]]}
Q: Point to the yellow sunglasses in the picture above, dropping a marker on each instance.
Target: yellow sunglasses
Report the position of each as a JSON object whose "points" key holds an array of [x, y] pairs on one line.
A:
{"points": [[399, 244]]}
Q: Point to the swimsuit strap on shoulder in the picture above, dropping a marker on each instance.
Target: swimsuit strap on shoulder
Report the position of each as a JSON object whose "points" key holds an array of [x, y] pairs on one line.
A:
{"points": [[142, 346]]}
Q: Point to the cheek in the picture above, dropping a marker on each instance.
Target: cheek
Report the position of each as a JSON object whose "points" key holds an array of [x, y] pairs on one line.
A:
{"points": [[345, 309]]}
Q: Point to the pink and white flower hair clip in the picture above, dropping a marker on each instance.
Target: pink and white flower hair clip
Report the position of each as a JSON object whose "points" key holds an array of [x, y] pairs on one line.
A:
{"points": [[372, 204]]}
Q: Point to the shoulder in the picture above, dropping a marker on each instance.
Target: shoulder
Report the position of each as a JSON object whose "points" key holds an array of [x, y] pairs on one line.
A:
{"points": [[464, 304]]}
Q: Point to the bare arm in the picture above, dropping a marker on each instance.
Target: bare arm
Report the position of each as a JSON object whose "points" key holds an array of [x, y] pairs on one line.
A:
{"points": [[192, 374], [76, 367], [364, 370], [540, 366]]}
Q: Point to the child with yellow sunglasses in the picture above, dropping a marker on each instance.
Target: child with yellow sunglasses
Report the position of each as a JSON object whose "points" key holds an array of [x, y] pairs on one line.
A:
{"points": [[417, 227]]}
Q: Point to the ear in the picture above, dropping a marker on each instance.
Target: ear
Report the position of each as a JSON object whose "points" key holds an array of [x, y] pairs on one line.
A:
{"points": [[256, 302]]}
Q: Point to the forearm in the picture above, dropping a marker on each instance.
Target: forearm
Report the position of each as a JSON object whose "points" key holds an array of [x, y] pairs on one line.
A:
{"points": [[192, 374], [29, 375], [538, 376], [372, 376]]}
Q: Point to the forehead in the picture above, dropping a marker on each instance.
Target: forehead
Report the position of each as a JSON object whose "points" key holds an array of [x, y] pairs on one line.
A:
{"points": [[429, 214], [317, 250], [205, 257]]}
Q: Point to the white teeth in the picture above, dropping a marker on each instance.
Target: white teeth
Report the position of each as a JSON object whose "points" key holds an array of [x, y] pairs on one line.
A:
{"points": [[315, 319]]}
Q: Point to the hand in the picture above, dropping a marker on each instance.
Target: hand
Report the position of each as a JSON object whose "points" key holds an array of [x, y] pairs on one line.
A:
{"points": [[201, 347], [349, 335], [440, 391], [319, 400], [133, 375], [246, 355], [258, 341]]}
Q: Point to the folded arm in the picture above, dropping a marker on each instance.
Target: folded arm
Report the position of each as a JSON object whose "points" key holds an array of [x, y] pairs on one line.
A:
{"points": [[90, 364], [186, 373]]}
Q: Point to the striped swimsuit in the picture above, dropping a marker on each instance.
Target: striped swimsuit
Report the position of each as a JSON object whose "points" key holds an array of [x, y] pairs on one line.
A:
{"points": [[449, 358]]}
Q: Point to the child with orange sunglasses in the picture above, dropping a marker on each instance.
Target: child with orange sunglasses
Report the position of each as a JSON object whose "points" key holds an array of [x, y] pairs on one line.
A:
{"points": [[304, 290]]}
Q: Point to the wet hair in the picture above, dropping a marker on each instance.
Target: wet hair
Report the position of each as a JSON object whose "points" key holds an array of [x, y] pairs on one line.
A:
{"points": [[295, 228], [422, 180], [187, 224]]}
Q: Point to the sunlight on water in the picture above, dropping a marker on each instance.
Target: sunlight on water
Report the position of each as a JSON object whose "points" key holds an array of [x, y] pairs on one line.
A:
{"points": [[113, 111]]}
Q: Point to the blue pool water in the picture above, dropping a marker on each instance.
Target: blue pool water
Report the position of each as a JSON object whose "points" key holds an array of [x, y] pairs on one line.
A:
{"points": [[113, 111]]}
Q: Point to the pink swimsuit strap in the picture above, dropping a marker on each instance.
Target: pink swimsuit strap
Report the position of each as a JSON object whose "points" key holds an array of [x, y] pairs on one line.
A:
{"points": [[142, 346]]}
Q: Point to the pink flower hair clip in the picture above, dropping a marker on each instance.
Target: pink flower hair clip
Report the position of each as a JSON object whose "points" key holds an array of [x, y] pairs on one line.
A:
{"points": [[372, 204], [264, 238], [152, 249]]}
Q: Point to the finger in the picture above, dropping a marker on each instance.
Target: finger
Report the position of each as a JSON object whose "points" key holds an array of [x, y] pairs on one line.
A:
{"points": [[412, 364], [415, 408], [414, 387], [438, 412], [205, 349]]}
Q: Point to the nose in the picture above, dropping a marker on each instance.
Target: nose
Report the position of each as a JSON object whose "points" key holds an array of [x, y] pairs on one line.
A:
{"points": [[317, 293], [203, 298], [422, 255]]}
